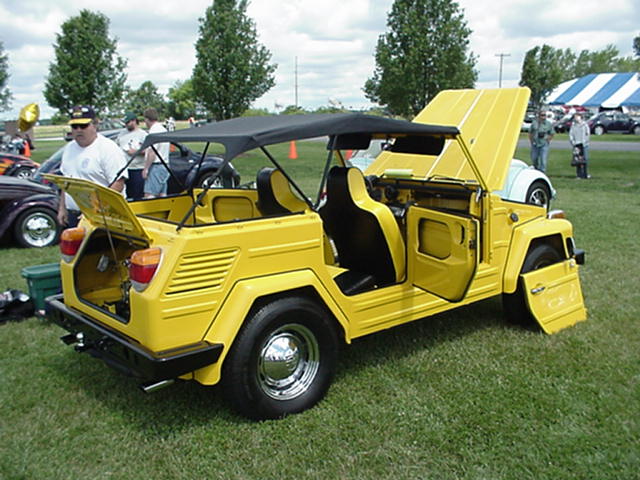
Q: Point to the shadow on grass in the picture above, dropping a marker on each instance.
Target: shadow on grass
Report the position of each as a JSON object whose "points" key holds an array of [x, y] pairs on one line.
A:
{"points": [[424, 334], [186, 405]]}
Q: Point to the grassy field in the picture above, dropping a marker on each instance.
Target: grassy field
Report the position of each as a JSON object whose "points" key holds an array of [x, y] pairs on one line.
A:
{"points": [[457, 396]]}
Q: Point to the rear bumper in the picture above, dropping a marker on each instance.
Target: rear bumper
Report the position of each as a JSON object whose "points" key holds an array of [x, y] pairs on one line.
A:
{"points": [[124, 354]]}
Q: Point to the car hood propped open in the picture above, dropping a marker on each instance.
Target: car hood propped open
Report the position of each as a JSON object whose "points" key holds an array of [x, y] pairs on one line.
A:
{"points": [[489, 122]]}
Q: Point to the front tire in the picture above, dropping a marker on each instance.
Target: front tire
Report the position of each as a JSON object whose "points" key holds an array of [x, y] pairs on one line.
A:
{"points": [[539, 194], [599, 130], [515, 304], [36, 228], [282, 361]]}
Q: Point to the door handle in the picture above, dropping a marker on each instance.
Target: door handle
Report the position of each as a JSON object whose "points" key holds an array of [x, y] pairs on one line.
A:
{"points": [[537, 290]]}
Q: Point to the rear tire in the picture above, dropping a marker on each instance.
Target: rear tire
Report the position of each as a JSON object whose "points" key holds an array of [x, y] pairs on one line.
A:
{"points": [[515, 304], [282, 361], [599, 130], [23, 172]]}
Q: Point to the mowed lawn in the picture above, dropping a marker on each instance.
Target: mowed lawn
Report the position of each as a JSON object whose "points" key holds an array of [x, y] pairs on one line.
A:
{"points": [[461, 395]]}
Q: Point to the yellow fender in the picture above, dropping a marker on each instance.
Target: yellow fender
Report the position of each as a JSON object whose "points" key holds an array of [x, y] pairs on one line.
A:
{"points": [[226, 324], [521, 239]]}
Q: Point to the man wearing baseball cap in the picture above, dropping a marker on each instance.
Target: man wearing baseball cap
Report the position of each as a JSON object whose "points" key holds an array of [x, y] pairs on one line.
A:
{"points": [[90, 156], [129, 140]]}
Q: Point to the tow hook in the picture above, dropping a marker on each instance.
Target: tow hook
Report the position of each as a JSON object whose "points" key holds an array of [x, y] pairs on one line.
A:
{"points": [[75, 338]]}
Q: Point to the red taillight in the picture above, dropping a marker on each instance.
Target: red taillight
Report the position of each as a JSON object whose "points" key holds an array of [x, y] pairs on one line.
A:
{"points": [[143, 266], [70, 241]]}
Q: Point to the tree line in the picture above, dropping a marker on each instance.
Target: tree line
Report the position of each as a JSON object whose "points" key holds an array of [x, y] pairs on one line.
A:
{"points": [[424, 50]]}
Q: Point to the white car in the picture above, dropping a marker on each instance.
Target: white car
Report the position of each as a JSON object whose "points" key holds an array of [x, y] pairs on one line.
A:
{"points": [[523, 184]]}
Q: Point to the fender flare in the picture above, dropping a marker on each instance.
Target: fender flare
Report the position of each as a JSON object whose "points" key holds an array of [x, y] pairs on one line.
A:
{"points": [[554, 231], [237, 305]]}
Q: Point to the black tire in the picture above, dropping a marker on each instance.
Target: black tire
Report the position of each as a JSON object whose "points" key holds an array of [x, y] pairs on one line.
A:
{"points": [[206, 178], [539, 193], [282, 361], [36, 227], [515, 304], [23, 172], [599, 130], [636, 130]]}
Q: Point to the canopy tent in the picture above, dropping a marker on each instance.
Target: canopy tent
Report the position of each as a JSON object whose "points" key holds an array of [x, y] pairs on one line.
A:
{"points": [[607, 90]]}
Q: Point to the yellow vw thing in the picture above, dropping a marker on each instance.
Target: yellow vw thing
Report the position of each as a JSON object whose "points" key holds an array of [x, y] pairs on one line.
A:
{"points": [[255, 288]]}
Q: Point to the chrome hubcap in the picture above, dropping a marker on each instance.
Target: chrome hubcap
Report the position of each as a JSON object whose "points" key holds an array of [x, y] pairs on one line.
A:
{"points": [[538, 197], [288, 363], [38, 230]]}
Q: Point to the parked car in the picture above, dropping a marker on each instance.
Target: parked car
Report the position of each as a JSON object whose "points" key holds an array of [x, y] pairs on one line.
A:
{"points": [[618, 122], [12, 164], [257, 288], [564, 124], [109, 127], [523, 183], [28, 212], [184, 166]]}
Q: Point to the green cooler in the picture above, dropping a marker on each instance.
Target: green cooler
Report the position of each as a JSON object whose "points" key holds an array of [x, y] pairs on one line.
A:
{"points": [[43, 280]]}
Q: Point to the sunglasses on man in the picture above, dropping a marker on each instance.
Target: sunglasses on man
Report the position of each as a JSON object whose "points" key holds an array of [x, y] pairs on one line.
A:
{"points": [[82, 126]]}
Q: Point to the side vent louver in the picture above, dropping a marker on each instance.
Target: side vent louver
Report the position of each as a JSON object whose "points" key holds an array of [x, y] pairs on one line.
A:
{"points": [[197, 271]]}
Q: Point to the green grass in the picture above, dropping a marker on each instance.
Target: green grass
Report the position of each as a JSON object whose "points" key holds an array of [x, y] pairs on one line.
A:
{"points": [[456, 396]]}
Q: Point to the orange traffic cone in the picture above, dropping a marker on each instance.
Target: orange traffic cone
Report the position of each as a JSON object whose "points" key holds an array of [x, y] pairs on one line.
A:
{"points": [[27, 149], [293, 153]]}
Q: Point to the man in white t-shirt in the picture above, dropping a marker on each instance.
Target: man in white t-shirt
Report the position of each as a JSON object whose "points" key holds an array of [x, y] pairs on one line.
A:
{"points": [[130, 139], [90, 156], [154, 172]]}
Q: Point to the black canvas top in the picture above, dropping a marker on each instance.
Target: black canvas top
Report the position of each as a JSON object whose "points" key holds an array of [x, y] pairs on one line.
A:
{"points": [[239, 135]]}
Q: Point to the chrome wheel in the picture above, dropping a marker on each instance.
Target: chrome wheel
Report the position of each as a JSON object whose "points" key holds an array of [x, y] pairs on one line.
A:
{"points": [[539, 194], [24, 172], [288, 362], [209, 182], [37, 229]]}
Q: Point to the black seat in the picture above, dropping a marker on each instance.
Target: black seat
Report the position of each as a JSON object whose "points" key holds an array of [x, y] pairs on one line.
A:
{"points": [[274, 193], [364, 231]]}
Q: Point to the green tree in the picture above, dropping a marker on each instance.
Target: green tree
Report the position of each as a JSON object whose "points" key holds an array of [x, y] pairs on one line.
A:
{"points": [[181, 104], [542, 71], [425, 50], [232, 69], [293, 110], [86, 69], [636, 46], [143, 97], [5, 93]]}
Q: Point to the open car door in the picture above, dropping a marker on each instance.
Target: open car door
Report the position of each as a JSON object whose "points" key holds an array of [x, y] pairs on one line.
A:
{"points": [[554, 295], [441, 251]]}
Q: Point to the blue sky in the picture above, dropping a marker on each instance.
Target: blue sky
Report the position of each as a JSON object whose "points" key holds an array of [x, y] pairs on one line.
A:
{"points": [[334, 41]]}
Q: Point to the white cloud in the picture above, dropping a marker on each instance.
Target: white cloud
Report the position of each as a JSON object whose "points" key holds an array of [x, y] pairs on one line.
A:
{"points": [[333, 40]]}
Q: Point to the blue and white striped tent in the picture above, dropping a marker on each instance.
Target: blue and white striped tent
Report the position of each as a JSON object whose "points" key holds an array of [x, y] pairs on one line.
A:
{"points": [[607, 90]]}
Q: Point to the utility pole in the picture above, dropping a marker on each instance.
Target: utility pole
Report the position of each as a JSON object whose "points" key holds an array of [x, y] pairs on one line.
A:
{"points": [[501, 55], [295, 75]]}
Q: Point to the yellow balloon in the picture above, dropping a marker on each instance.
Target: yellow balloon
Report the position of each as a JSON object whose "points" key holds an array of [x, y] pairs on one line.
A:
{"points": [[28, 116]]}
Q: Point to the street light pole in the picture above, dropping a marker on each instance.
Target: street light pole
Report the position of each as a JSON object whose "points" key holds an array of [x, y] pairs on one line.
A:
{"points": [[501, 55]]}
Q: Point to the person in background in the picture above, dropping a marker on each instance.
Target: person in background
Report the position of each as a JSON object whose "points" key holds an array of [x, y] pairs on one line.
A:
{"points": [[130, 140], [579, 138], [540, 135], [90, 156], [154, 172]]}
